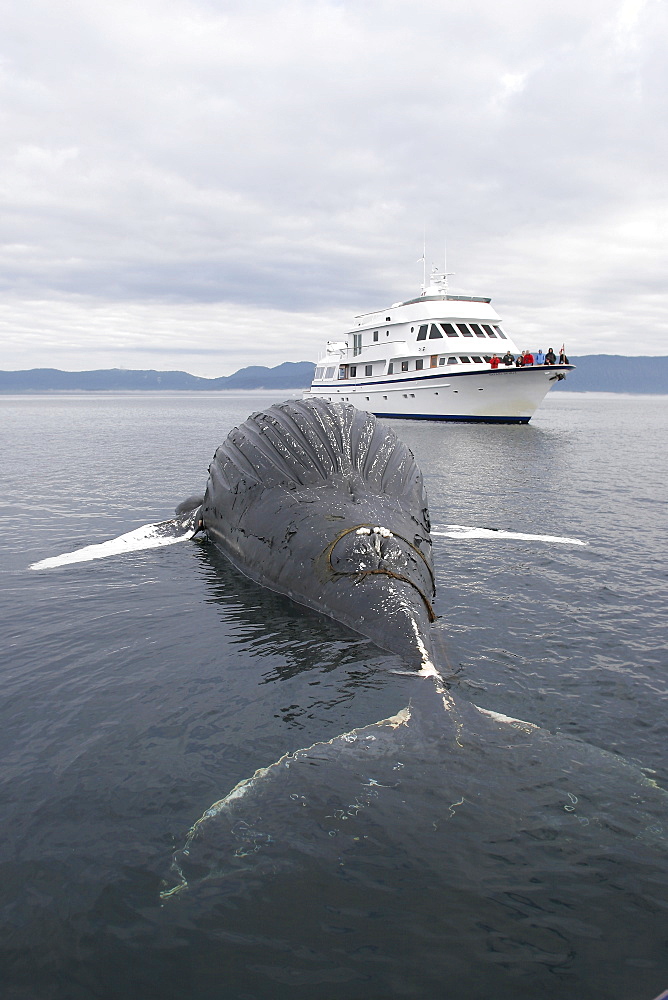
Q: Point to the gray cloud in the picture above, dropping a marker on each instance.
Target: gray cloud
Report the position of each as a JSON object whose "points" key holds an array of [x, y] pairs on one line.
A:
{"points": [[203, 185]]}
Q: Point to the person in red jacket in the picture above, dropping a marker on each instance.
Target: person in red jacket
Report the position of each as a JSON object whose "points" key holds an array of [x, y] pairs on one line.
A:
{"points": [[527, 358], [494, 361]]}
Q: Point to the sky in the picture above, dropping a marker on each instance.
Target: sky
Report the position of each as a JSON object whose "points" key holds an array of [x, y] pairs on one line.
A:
{"points": [[202, 185]]}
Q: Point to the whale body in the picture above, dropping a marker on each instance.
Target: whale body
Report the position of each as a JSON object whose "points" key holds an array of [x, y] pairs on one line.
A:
{"points": [[323, 503]]}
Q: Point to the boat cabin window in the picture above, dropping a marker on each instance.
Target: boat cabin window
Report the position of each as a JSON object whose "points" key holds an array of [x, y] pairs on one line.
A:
{"points": [[477, 329], [464, 360], [318, 372], [452, 361], [329, 373], [422, 332], [404, 366], [476, 359], [435, 333], [500, 333], [418, 364], [353, 371], [342, 372], [357, 343], [368, 369], [449, 330], [464, 330], [441, 361], [488, 330], [390, 368], [375, 335]]}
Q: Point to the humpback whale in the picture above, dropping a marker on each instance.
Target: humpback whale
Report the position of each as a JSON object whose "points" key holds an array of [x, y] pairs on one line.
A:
{"points": [[322, 503]]}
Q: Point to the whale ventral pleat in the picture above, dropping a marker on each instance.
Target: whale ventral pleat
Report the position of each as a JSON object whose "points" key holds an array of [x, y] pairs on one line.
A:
{"points": [[303, 442]]}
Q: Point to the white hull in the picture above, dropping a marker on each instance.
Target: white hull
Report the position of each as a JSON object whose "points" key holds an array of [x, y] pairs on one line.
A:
{"points": [[505, 395]]}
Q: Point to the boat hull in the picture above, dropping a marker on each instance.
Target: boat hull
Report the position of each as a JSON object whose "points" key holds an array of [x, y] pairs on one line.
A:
{"points": [[503, 395]]}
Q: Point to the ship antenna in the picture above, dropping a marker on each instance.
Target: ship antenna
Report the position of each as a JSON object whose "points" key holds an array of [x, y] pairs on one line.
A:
{"points": [[424, 260]]}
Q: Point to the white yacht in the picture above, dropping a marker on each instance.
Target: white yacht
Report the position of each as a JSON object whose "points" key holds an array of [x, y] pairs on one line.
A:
{"points": [[429, 358]]}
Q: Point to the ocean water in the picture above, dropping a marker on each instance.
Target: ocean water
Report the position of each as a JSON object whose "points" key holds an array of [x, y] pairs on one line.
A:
{"points": [[462, 857]]}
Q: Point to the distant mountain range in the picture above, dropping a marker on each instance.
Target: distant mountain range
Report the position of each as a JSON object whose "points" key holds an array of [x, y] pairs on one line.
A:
{"points": [[595, 373]]}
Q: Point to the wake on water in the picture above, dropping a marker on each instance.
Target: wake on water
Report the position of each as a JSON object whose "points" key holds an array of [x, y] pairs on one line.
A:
{"points": [[182, 528]]}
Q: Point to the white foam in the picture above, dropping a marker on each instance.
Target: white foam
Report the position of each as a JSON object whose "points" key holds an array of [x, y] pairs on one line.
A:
{"points": [[149, 536], [464, 532]]}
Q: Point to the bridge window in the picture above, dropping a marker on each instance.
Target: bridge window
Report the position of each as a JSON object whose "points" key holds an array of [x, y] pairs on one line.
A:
{"points": [[318, 372], [500, 333], [435, 333], [422, 332], [464, 330], [329, 373], [450, 330], [342, 372]]}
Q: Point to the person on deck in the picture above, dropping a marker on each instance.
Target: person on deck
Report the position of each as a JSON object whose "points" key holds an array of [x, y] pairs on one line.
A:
{"points": [[494, 361], [540, 357], [550, 357], [527, 358], [508, 359], [563, 360]]}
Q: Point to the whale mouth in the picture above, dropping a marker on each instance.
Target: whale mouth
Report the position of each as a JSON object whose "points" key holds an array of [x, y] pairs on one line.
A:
{"points": [[365, 551]]}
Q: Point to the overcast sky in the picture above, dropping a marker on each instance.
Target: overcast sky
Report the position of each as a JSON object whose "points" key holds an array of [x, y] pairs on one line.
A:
{"points": [[201, 185]]}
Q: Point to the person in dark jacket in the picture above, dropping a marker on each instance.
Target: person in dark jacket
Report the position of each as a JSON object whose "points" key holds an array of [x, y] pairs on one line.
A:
{"points": [[550, 357]]}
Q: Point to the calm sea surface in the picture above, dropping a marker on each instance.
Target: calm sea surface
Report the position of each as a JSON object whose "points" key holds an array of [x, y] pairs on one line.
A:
{"points": [[138, 690]]}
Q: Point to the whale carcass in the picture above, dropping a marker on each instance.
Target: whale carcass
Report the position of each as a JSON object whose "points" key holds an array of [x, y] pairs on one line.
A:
{"points": [[324, 504]]}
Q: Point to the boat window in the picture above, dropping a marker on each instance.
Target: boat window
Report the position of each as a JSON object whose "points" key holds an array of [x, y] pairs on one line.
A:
{"points": [[464, 330], [390, 368], [368, 369], [318, 372], [422, 332], [449, 330], [342, 372], [500, 333], [418, 364], [357, 343], [476, 359], [353, 371], [441, 361], [433, 361], [488, 330], [476, 329], [452, 361], [404, 366], [375, 335], [464, 360], [435, 333], [329, 373]]}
